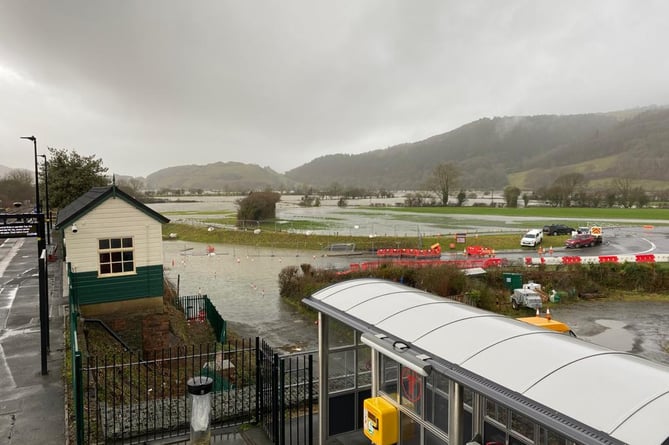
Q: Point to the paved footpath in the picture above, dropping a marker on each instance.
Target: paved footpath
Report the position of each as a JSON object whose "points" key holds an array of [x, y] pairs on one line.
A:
{"points": [[32, 408]]}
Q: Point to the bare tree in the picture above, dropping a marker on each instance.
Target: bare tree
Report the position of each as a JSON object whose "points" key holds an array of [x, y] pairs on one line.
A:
{"points": [[444, 177], [623, 189], [511, 194], [565, 186]]}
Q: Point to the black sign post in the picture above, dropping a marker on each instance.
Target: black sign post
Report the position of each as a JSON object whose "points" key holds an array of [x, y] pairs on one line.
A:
{"points": [[31, 225]]}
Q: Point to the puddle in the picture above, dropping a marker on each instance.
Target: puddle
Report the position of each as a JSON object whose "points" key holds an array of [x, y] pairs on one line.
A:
{"points": [[614, 336]]}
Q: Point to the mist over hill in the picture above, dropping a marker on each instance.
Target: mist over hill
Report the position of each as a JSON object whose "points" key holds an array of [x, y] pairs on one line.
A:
{"points": [[527, 151]]}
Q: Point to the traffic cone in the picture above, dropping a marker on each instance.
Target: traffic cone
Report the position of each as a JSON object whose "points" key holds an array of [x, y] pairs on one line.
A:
{"points": [[550, 250], [538, 314], [548, 313]]}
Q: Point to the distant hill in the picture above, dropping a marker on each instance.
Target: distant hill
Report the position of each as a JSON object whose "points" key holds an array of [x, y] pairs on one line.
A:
{"points": [[221, 176], [528, 152]]}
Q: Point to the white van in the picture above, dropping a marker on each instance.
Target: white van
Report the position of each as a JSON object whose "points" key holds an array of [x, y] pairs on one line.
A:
{"points": [[532, 238]]}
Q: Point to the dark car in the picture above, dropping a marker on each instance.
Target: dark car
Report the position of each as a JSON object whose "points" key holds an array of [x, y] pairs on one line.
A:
{"points": [[558, 229], [581, 240]]}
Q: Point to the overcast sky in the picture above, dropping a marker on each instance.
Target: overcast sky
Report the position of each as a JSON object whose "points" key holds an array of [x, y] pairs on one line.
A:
{"points": [[145, 85]]}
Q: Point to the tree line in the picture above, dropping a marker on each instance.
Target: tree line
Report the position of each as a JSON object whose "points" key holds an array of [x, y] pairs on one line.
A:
{"points": [[70, 175]]}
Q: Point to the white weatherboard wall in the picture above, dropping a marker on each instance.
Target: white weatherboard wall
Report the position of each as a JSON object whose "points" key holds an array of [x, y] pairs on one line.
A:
{"points": [[113, 218]]}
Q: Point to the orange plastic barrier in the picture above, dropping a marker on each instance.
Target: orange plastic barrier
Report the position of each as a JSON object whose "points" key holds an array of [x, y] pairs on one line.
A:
{"points": [[647, 258], [608, 259], [492, 262], [571, 260]]}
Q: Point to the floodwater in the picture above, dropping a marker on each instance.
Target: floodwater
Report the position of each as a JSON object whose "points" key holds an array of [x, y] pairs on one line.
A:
{"points": [[637, 327], [242, 282]]}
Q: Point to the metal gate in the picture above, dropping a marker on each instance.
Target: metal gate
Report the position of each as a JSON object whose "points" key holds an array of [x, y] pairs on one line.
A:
{"points": [[285, 399]]}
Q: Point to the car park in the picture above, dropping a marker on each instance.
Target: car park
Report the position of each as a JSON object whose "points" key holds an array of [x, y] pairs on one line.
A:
{"points": [[558, 229], [581, 240], [532, 238]]}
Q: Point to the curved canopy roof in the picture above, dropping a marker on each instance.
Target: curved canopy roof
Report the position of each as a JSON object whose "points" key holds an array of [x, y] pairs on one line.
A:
{"points": [[621, 394]]}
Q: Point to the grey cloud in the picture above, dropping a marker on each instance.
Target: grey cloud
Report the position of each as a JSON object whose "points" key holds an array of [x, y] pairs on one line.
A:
{"points": [[279, 83]]}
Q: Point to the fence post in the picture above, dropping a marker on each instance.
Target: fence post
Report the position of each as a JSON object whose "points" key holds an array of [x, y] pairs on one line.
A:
{"points": [[78, 398], [311, 400], [275, 396], [258, 380], [282, 402]]}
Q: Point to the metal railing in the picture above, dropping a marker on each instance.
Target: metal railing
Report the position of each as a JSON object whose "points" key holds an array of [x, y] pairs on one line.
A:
{"points": [[200, 308], [128, 398], [124, 398], [131, 400]]}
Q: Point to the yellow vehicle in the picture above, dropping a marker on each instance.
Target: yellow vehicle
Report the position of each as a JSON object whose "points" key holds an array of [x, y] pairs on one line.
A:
{"points": [[548, 323]]}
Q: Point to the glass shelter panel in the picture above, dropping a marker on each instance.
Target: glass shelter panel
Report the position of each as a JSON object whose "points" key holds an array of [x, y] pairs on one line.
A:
{"points": [[364, 366], [436, 400], [411, 396], [389, 375], [342, 367], [409, 430], [340, 335]]}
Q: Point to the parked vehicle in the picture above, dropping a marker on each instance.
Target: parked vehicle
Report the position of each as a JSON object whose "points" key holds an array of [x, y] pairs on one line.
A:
{"points": [[595, 231], [558, 229], [525, 298], [547, 322], [532, 238], [581, 240]]}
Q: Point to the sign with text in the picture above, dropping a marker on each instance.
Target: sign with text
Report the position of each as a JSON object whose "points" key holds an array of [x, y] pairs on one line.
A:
{"points": [[20, 225], [18, 230]]}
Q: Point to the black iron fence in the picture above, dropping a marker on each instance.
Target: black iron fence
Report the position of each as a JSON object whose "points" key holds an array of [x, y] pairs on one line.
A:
{"points": [[200, 308], [130, 398], [126, 398]]}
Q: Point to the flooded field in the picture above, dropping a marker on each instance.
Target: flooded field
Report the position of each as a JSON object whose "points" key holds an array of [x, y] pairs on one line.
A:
{"points": [[242, 281]]}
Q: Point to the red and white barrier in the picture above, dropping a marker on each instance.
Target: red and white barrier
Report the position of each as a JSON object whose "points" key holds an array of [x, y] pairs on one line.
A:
{"points": [[638, 258]]}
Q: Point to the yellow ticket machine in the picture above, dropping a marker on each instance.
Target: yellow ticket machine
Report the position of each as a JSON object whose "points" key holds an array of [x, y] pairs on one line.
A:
{"points": [[380, 421]]}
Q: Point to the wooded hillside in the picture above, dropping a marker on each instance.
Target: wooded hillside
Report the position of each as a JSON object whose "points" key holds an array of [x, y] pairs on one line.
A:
{"points": [[527, 152]]}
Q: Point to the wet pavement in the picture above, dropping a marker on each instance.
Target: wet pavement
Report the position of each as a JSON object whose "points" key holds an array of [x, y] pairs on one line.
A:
{"points": [[32, 408]]}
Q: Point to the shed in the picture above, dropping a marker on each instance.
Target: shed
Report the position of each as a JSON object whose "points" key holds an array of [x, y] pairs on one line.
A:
{"points": [[113, 249]]}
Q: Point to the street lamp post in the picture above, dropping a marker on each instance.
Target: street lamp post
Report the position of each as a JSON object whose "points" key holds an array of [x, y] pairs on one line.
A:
{"points": [[46, 200], [42, 270], [34, 139]]}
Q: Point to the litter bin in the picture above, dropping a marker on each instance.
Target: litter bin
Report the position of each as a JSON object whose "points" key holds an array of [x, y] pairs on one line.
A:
{"points": [[199, 388]]}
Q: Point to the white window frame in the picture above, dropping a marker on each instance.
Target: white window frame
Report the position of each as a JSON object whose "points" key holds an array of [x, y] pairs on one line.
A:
{"points": [[120, 247]]}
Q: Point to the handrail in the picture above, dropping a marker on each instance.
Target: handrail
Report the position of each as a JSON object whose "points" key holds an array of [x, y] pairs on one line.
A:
{"points": [[109, 330]]}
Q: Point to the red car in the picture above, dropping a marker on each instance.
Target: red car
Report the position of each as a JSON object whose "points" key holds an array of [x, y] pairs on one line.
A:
{"points": [[581, 240]]}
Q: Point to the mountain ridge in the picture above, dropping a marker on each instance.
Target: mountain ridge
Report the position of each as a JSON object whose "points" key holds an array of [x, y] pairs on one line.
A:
{"points": [[525, 151]]}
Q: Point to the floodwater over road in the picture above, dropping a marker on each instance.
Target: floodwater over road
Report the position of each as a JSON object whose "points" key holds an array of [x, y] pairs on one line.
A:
{"points": [[638, 327], [242, 282]]}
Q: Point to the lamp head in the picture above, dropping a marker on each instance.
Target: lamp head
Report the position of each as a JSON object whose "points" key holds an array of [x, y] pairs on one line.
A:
{"points": [[30, 138], [74, 228]]}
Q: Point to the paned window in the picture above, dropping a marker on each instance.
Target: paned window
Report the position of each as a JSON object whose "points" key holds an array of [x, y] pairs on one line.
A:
{"points": [[116, 256]]}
